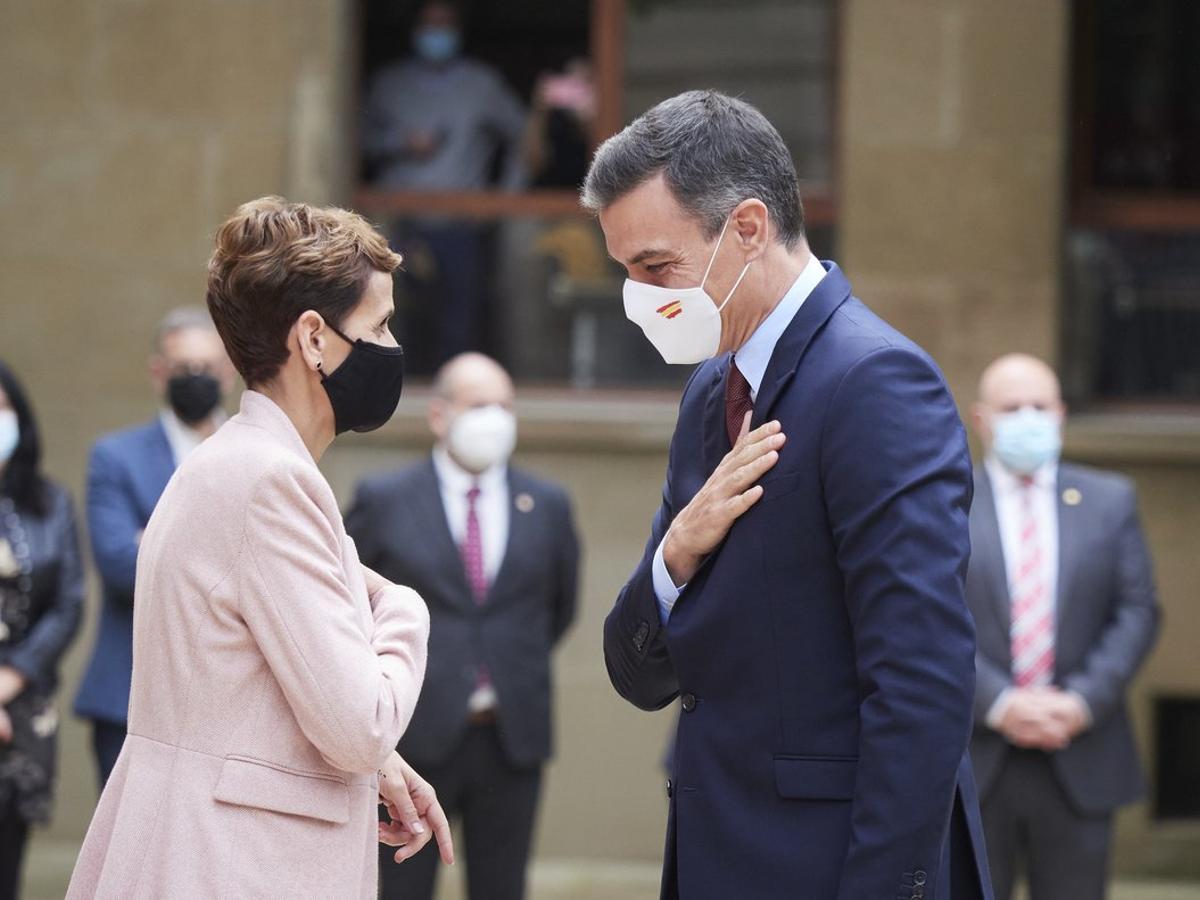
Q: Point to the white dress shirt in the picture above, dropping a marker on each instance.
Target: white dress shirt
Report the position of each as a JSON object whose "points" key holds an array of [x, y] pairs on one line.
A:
{"points": [[492, 510], [1006, 491], [491, 506], [752, 360], [182, 437]]}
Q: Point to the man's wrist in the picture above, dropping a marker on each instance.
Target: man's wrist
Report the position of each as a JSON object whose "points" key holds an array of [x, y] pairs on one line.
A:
{"points": [[681, 566]]}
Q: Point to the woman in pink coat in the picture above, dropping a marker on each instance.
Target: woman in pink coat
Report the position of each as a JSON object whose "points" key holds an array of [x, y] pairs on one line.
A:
{"points": [[272, 673]]}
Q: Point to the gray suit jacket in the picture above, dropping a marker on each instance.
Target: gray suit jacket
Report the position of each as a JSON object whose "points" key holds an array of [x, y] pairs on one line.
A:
{"points": [[1107, 622], [399, 526]]}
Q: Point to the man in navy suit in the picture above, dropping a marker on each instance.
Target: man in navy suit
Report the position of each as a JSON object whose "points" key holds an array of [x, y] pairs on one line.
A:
{"points": [[493, 552], [802, 588], [127, 473]]}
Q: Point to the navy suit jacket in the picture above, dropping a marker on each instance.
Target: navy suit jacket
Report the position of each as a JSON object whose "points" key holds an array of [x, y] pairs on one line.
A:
{"points": [[824, 654], [127, 473], [1107, 621], [399, 525]]}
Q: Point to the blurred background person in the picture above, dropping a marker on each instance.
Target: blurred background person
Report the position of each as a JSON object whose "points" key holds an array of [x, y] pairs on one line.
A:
{"points": [[558, 140], [127, 473], [1063, 596], [493, 551], [439, 121], [41, 600]]}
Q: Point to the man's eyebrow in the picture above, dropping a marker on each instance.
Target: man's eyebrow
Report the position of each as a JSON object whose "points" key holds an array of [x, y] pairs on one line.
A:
{"points": [[647, 253]]}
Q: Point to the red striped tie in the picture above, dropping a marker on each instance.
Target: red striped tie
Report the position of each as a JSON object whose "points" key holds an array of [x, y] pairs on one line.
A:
{"points": [[1032, 632]]}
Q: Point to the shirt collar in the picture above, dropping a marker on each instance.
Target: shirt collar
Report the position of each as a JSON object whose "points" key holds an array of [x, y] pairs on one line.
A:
{"points": [[458, 480], [755, 354], [182, 437], [1005, 481]]}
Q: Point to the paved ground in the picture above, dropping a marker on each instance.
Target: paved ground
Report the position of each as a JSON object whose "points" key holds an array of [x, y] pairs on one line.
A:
{"points": [[49, 865]]}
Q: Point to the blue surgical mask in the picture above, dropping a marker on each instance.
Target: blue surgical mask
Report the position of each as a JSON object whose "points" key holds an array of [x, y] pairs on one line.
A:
{"points": [[1027, 439], [10, 434], [436, 43]]}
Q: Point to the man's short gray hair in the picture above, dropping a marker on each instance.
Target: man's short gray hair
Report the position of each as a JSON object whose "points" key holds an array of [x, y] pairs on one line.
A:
{"points": [[714, 152], [181, 319]]}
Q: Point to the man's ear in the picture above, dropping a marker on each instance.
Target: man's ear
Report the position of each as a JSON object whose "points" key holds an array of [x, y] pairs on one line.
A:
{"points": [[438, 417], [751, 225]]}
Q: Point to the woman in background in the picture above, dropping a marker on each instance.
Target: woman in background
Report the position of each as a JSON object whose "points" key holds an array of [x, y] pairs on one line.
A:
{"points": [[41, 598]]}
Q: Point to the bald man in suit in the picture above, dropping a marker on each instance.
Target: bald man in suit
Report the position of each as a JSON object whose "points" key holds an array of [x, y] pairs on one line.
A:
{"points": [[1061, 590]]}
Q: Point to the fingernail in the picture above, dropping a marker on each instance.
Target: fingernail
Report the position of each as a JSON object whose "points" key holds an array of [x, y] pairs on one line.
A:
{"points": [[416, 828]]}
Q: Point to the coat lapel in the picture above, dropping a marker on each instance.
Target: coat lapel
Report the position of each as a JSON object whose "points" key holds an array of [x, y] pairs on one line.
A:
{"points": [[716, 437], [988, 550], [832, 291], [430, 510], [1072, 512], [522, 507]]}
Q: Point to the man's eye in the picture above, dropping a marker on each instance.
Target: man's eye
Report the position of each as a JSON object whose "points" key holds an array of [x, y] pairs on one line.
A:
{"points": [[656, 267]]}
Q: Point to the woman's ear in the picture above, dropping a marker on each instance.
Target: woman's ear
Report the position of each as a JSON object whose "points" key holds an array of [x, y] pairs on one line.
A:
{"points": [[309, 332]]}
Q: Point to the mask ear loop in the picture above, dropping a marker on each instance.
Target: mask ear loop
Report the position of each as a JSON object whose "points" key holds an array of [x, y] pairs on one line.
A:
{"points": [[745, 268]]}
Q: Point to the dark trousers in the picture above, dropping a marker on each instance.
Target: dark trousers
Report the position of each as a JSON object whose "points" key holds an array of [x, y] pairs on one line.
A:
{"points": [[14, 831], [496, 803], [107, 740], [1031, 826]]}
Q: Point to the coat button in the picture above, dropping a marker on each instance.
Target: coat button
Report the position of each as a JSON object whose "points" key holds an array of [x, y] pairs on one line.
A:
{"points": [[688, 701], [670, 789], [919, 877]]}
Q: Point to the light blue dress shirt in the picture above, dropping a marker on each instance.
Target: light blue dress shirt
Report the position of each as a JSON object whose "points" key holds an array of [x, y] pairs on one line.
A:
{"points": [[752, 359]]}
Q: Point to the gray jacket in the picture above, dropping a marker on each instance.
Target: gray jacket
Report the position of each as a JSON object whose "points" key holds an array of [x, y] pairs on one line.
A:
{"points": [[1108, 618]]}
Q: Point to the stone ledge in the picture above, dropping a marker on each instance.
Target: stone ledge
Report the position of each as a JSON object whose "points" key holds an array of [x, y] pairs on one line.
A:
{"points": [[1134, 437]]}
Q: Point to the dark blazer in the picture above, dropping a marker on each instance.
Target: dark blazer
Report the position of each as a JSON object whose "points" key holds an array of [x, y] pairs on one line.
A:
{"points": [[1107, 620], [824, 654], [399, 524], [127, 473]]}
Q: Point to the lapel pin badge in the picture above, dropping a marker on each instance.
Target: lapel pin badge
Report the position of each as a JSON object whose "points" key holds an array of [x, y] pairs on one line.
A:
{"points": [[1072, 497], [525, 503]]}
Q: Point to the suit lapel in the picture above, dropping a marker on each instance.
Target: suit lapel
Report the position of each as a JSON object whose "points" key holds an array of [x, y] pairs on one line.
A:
{"points": [[520, 529], [988, 550], [716, 436], [156, 467], [832, 291], [1071, 504], [432, 511]]}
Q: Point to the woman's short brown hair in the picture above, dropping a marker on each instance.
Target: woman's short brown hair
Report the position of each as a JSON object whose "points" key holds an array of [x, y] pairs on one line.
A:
{"points": [[273, 261]]}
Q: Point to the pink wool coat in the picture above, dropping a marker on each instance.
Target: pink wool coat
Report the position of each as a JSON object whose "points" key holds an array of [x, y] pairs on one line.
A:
{"points": [[272, 675]]}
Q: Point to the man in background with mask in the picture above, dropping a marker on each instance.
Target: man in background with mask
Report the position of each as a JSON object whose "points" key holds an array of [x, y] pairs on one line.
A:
{"points": [[801, 592], [1063, 596], [437, 122], [493, 552], [127, 473]]}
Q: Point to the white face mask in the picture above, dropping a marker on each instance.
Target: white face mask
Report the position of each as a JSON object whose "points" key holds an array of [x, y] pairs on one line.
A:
{"points": [[10, 434], [482, 437], [683, 325]]}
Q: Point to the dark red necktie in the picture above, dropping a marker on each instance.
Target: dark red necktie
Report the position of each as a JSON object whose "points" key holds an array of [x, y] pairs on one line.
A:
{"points": [[472, 550], [737, 401]]}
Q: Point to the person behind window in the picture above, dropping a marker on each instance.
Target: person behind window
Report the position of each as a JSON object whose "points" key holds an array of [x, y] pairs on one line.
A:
{"points": [[557, 136], [127, 473], [41, 599], [434, 122]]}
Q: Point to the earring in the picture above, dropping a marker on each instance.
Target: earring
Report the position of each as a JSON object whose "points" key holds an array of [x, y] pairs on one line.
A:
{"points": [[318, 365]]}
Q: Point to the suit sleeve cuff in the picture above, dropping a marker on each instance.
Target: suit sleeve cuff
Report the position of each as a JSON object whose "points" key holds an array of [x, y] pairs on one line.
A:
{"points": [[995, 713], [665, 590]]}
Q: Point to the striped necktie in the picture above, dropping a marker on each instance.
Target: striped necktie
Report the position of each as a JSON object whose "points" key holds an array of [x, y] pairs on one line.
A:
{"points": [[1032, 632]]}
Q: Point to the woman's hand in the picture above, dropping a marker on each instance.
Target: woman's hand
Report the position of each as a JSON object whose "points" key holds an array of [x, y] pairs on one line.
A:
{"points": [[415, 813]]}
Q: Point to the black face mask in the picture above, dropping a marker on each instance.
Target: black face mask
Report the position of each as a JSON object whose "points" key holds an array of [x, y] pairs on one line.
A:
{"points": [[193, 396], [365, 389]]}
